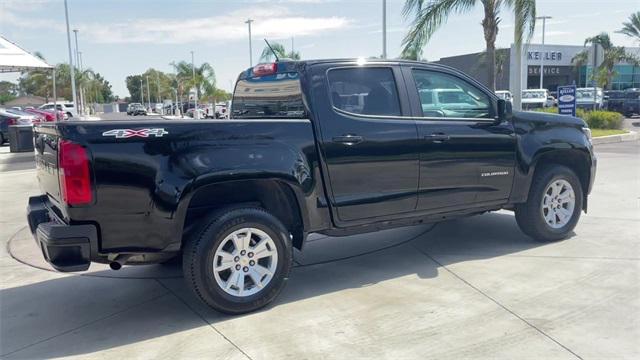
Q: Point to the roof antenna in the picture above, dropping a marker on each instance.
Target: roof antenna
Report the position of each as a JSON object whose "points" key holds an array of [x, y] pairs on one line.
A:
{"points": [[272, 51]]}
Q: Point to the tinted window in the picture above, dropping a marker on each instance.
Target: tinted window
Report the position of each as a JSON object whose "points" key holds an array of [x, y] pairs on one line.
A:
{"points": [[633, 95], [272, 96], [443, 95], [367, 91]]}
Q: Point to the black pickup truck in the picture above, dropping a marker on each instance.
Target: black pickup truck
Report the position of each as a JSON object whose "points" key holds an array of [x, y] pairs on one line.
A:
{"points": [[336, 147]]}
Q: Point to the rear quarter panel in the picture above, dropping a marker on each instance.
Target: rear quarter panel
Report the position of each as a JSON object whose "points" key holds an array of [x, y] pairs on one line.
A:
{"points": [[144, 185]]}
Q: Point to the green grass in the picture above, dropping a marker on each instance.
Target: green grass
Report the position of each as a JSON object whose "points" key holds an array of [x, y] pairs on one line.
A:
{"points": [[606, 132]]}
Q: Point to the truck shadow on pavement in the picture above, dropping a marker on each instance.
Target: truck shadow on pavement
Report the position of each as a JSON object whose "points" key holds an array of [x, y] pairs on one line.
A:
{"points": [[79, 315]]}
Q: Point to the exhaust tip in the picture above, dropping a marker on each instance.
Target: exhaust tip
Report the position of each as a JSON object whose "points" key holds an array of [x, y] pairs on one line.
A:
{"points": [[115, 265]]}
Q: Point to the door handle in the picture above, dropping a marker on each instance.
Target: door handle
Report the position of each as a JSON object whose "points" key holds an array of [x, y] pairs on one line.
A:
{"points": [[437, 138], [348, 139]]}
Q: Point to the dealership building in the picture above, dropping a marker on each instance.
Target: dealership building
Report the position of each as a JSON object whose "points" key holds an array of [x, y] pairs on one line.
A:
{"points": [[558, 67]]}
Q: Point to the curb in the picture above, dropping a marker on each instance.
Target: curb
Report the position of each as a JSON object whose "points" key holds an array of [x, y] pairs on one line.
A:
{"points": [[610, 139]]}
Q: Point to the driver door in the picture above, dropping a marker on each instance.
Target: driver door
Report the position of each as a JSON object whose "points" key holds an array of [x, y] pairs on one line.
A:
{"points": [[467, 156]]}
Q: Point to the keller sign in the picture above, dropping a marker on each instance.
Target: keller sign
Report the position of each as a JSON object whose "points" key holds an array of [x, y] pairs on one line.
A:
{"points": [[548, 55], [567, 100]]}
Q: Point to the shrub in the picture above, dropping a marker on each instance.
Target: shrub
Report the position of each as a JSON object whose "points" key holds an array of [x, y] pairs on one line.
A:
{"points": [[601, 119], [550, 110]]}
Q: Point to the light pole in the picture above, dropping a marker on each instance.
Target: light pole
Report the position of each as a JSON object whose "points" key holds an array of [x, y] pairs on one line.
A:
{"points": [[248, 22], [544, 23], [81, 104], [148, 94], [141, 91], [196, 115], [384, 29], [73, 73]]}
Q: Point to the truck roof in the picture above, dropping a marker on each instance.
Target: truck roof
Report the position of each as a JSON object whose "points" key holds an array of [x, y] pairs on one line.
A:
{"points": [[288, 65]]}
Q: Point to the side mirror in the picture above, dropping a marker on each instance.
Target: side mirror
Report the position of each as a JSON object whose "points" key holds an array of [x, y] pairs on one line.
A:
{"points": [[504, 109]]}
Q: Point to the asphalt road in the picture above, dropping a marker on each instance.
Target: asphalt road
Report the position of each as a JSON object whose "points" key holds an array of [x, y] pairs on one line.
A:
{"points": [[470, 288]]}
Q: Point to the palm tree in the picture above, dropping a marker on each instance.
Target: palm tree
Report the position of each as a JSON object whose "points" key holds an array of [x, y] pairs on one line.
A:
{"points": [[267, 54], [412, 53], [204, 82], [612, 55], [632, 28], [429, 15]]}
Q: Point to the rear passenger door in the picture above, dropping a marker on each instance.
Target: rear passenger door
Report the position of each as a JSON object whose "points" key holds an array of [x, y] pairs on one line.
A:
{"points": [[467, 155], [367, 139]]}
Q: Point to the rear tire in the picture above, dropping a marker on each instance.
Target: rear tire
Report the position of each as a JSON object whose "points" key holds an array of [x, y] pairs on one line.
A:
{"points": [[240, 260], [554, 204]]}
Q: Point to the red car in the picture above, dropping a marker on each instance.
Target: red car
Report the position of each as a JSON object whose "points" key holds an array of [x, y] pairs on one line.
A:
{"points": [[48, 115]]}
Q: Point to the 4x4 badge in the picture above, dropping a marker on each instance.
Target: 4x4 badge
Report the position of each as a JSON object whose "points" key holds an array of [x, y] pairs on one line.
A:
{"points": [[127, 133]]}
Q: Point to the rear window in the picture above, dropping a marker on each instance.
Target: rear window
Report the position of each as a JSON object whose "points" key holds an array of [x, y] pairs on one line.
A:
{"points": [[271, 96]]}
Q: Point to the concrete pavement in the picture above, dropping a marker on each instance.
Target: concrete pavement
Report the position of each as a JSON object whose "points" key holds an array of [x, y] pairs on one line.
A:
{"points": [[470, 288]]}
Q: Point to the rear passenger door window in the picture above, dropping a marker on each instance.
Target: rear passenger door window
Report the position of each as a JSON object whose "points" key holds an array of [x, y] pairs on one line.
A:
{"points": [[446, 96], [364, 91]]}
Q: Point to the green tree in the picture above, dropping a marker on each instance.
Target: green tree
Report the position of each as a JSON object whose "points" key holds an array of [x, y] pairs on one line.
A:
{"points": [[204, 82], [429, 15], [412, 53], [612, 56], [267, 54], [160, 86], [632, 27], [8, 91]]}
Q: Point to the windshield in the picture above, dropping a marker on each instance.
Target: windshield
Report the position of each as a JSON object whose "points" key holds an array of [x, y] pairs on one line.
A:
{"points": [[533, 95], [584, 94]]}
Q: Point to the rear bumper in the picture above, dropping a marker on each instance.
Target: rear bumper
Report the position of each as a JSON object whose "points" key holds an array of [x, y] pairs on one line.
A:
{"points": [[66, 247]]}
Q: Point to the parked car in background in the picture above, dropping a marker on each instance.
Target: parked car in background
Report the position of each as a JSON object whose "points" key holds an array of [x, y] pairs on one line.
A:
{"points": [[222, 111], [67, 107], [136, 109], [505, 95], [20, 119], [536, 99], [631, 102], [34, 117], [613, 100], [589, 98], [7, 119], [47, 115], [202, 114]]}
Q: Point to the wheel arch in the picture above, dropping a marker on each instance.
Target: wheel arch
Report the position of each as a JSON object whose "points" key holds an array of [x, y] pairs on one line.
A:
{"points": [[277, 196], [576, 159]]}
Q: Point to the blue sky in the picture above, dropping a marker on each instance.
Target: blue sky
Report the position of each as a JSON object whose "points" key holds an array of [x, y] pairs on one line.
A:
{"points": [[119, 38]]}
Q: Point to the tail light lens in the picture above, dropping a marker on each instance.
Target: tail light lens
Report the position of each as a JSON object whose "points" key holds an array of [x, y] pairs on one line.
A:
{"points": [[12, 121], [73, 170], [265, 69]]}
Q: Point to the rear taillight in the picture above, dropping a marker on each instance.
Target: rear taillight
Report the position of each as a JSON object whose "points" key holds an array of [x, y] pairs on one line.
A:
{"points": [[12, 121], [265, 69], [73, 170]]}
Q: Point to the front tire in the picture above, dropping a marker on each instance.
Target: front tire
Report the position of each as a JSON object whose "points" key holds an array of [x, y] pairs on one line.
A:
{"points": [[554, 204], [240, 260]]}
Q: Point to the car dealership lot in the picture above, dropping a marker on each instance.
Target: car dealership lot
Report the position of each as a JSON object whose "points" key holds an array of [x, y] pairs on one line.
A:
{"points": [[473, 288]]}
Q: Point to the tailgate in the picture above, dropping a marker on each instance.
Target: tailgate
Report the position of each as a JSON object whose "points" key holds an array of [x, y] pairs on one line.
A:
{"points": [[46, 155]]}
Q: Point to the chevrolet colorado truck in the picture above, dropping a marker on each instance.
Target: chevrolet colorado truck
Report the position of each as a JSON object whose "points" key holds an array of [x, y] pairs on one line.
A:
{"points": [[336, 147]]}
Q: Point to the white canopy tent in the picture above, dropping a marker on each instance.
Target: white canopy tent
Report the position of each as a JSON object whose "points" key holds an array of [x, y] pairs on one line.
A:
{"points": [[15, 59]]}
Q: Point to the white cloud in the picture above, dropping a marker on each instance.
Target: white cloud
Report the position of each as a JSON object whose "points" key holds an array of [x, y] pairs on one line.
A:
{"points": [[272, 22]]}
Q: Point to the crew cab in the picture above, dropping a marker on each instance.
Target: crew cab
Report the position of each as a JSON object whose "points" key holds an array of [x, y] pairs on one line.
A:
{"points": [[337, 147]]}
